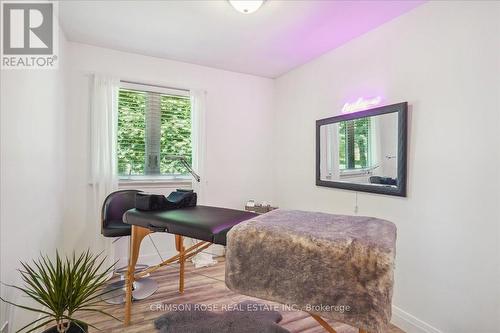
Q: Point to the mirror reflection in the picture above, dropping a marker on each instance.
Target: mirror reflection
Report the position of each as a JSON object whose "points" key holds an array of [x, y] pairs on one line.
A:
{"points": [[361, 151]]}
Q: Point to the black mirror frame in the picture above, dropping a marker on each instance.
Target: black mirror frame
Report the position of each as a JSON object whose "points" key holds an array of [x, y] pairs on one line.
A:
{"points": [[400, 190]]}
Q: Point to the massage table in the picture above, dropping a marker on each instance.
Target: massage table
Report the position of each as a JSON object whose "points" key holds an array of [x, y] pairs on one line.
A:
{"points": [[207, 224], [303, 259]]}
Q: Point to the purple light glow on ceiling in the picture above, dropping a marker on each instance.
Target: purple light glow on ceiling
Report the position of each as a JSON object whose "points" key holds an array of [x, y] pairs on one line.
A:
{"points": [[330, 24]]}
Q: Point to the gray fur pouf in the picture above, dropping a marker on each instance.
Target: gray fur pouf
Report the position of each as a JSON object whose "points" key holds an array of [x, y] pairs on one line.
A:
{"points": [[248, 318]]}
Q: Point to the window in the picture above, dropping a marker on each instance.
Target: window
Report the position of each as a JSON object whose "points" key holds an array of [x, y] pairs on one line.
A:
{"points": [[355, 144], [152, 124]]}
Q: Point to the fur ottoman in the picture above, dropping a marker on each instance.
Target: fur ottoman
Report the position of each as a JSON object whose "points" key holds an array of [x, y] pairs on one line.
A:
{"points": [[334, 266]]}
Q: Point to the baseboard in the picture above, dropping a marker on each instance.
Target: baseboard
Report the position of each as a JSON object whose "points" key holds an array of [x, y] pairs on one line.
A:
{"points": [[149, 259], [152, 259], [409, 323]]}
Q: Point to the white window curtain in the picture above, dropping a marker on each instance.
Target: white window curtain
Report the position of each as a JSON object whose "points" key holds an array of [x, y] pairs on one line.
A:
{"points": [[199, 142], [103, 160], [333, 150], [376, 158]]}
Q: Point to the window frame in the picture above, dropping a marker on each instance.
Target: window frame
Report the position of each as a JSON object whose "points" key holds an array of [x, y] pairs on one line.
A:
{"points": [[159, 179], [144, 87]]}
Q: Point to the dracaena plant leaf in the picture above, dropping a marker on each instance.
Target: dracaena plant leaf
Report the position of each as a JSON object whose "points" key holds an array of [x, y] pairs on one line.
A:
{"points": [[64, 286]]}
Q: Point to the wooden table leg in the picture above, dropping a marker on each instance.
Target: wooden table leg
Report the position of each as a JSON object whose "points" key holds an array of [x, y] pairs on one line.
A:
{"points": [[136, 237], [179, 244], [323, 323]]}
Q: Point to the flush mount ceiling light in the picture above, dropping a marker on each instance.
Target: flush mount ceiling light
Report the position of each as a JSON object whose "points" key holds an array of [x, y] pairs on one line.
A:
{"points": [[246, 6]]}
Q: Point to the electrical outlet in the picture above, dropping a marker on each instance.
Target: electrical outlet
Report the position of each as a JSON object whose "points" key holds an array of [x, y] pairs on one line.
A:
{"points": [[5, 327]]}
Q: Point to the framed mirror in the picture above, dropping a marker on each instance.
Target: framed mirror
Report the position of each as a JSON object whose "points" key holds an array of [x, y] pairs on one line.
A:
{"points": [[364, 151]]}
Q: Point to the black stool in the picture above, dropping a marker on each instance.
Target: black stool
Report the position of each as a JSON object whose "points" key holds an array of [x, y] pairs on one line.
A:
{"points": [[115, 205]]}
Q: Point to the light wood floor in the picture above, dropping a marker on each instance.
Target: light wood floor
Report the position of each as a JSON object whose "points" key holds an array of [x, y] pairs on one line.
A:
{"points": [[202, 286]]}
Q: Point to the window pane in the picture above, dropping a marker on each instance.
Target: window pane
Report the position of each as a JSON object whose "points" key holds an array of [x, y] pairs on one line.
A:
{"points": [[361, 142], [131, 132], [175, 133], [354, 144]]}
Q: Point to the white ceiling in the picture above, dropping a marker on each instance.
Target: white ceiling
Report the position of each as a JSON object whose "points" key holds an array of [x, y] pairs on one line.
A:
{"points": [[281, 35]]}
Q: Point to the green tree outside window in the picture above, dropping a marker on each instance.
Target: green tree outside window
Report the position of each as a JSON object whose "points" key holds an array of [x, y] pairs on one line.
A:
{"points": [[354, 144], [171, 118]]}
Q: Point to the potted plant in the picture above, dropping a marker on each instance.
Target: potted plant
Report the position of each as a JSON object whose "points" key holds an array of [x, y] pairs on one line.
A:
{"points": [[62, 288]]}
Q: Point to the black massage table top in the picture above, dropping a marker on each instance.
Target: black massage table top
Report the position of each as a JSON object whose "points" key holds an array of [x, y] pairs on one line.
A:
{"points": [[206, 223]]}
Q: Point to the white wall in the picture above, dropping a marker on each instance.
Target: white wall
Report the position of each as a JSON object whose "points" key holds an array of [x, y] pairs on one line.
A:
{"points": [[32, 172], [443, 58], [239, 131]]}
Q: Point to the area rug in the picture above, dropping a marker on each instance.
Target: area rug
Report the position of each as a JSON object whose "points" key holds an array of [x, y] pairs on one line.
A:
{"points": [[245, 317]]}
